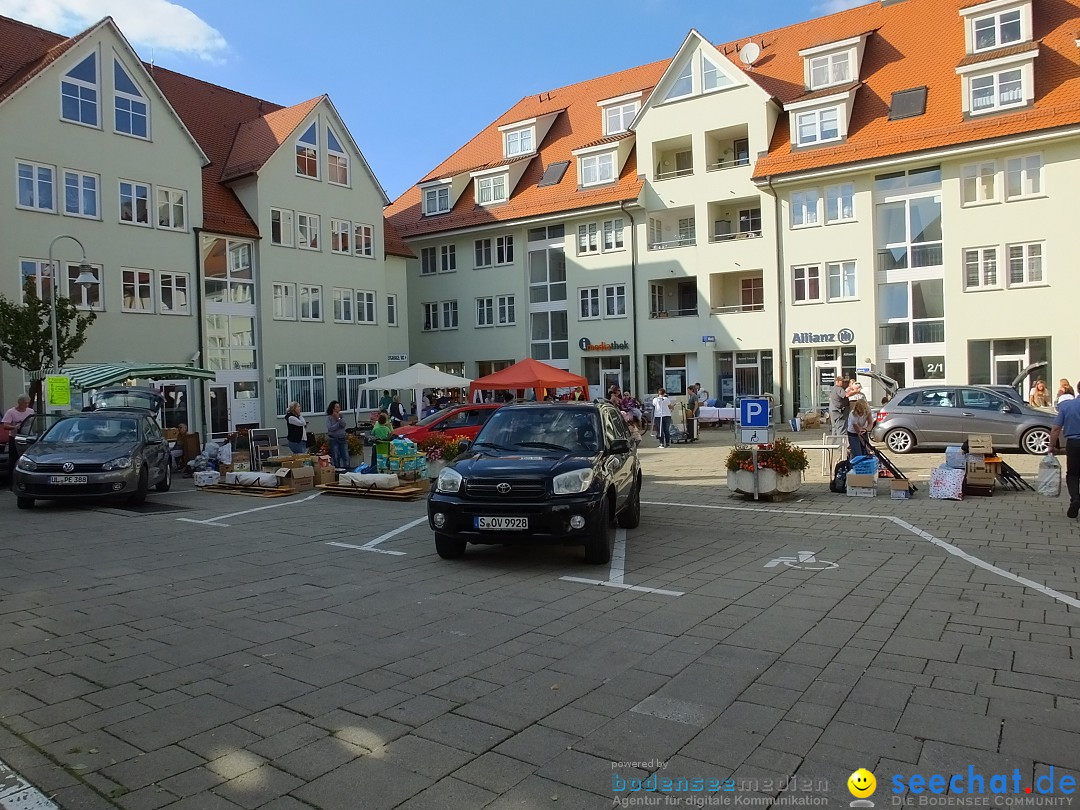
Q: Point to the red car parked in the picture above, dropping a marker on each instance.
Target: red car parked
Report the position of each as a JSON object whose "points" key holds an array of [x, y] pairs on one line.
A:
{"points": [[464, 421]]}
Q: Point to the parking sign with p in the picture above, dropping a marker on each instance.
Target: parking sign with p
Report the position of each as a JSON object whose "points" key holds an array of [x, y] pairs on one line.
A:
{"points": [[754, 413]]}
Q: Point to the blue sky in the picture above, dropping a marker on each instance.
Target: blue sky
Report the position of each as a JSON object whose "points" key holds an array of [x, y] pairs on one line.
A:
{"points": [[413, 80]]}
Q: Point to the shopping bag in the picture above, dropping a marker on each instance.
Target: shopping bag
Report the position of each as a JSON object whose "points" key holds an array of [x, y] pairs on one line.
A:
{"points": [[1049, 477]]}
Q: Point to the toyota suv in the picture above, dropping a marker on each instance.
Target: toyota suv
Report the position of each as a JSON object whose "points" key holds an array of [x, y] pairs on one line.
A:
{"points": [[548, 472]]}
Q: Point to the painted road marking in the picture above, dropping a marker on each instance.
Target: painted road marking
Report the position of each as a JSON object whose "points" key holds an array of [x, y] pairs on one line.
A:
{"points": [[370, 545], [616, 573], [16, 792], [805, 561], [948, 547], [214, 521]]}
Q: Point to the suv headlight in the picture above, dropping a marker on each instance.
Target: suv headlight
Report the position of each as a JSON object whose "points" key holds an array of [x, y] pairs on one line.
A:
{"points": [[121, 463], [26, 464], [571, 483], [449, 481]]}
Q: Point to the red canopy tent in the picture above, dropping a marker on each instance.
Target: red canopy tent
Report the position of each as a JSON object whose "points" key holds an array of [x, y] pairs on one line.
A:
{"points": [[528, 374]]}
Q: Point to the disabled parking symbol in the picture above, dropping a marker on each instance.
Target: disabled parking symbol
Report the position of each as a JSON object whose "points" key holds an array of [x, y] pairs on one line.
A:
{"points": [[806, 561]]}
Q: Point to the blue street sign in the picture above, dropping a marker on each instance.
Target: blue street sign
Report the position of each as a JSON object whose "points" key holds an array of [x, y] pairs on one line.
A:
{"points": [[754, 412]]}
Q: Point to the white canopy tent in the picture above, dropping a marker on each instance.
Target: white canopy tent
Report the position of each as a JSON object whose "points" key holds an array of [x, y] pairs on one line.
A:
{"points": [[416, 378]]}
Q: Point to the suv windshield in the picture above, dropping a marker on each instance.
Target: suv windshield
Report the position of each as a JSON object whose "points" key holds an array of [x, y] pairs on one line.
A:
{"points": [[85, 430], [563, 430]]}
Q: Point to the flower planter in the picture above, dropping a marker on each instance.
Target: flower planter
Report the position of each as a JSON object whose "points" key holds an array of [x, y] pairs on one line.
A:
{"points": [[434, 468], [769, 483]]}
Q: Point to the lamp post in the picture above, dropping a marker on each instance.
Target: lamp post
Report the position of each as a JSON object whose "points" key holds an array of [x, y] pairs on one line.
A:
{"points": [[86, 276]]}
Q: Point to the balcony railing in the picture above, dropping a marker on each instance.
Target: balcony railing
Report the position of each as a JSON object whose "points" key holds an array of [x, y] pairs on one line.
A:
{"points": [[729, 237], [734, 163], [901, 334], [674, 313], [732, 310], [676, 173], [684, 241]]}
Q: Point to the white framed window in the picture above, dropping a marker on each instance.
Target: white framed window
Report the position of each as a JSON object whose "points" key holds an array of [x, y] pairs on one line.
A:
{"points": [[135, 203], [340, 236], [436, 200], [588, 303], [712, 77], [300, 382], [38, 270], [79, 93], [688, 231], [491, 189], [997, 91], [981, 268], [282, 230], [841, 279], [1026, 264], [307, 228], [172, 209], [307, 153], [752, 294], [173, 293], [431, 317], [818, 126], [429, 261], [131, 112], [519, 142], [36, 183], [613, 235], [804, 208], [310, 302], [364, 240], [504, 250], [839, 203], [449, 315], [506, 310], [284, 301], [485, 312], [85, 296], [343, 305], [597, 169], [448, 258], [351, 377], [337, 160], [138, 290], [617, 117], [365, 307], [979, 183], [830, 69], [807, 283], [588, 239], [683, 84], [996, 30], [1023, 177], [391, 310], [81, 194], [615, 301], [482, 253]]}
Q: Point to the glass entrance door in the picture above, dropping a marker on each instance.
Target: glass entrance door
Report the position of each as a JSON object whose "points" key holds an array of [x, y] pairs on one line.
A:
{"points": [[1007, 369], [219, 409], [610, 377]]}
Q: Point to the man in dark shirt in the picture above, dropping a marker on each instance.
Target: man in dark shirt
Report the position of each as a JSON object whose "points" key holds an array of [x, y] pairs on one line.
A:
{"points": [[1067, 422], [838, 407]]}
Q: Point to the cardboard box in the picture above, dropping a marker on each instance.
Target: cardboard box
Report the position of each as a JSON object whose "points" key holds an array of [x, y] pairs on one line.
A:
{"points": [[980, 443], [899, 490], [171, 434], [980, 478], [325, 475], [861, 492], [297, 479], [856, 480]]}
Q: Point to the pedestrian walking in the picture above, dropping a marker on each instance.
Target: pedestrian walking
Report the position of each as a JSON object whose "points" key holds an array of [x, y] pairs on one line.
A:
{"points": [[1067, 423], [662, 417], [338, 438], [838, 407], [295, 428]]}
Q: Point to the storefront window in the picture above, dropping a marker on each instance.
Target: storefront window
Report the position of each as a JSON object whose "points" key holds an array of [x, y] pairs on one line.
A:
{"points": [[667, 371], [743, 374], [603, 372], [999, 362]]}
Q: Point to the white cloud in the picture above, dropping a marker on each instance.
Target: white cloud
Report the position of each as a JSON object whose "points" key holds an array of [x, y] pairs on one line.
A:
{"points": [[148, 24], [832, 6]]}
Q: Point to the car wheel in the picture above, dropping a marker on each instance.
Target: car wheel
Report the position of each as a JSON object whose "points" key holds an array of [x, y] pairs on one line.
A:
{"points": [[598, 545], [900, 440], [630, 516], [449, 548], [166, 482], [1036, 441], [24, 503], [139, 495]]}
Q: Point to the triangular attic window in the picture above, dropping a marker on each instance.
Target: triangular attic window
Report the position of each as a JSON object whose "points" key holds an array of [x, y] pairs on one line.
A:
{"points": [[684, 84], [713, 77]]}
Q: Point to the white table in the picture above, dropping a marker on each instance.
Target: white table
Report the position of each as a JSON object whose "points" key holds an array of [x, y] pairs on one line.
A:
{"points": [[710, 415]]}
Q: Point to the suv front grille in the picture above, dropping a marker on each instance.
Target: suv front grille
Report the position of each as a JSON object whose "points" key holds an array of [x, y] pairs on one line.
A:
{"points": [[488, 488], [79, 468]]}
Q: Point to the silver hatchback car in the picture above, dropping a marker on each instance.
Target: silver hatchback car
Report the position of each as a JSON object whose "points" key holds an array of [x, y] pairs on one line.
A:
{"points": [[940, 415]]}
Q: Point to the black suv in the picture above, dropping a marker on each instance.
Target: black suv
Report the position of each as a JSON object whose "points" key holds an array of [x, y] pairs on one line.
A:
{"points": [[549, 472]]}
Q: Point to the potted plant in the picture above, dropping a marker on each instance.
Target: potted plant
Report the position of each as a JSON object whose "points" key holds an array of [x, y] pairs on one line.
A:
{"points": [[779, 468], [440, 450], [356, 449]]}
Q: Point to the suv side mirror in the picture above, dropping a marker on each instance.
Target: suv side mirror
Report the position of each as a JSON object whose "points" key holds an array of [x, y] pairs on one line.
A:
{"points": [[463, 445], [619, 447]]}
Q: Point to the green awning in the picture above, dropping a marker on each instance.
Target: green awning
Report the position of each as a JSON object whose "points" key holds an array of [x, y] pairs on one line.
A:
{"points": [[98, 374]]}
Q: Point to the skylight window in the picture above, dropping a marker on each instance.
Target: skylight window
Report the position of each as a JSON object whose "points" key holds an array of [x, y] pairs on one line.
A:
{"points": [[307, 153]]}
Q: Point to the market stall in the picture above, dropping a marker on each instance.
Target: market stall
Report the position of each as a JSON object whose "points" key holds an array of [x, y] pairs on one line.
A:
{"points": [[532, 375]]}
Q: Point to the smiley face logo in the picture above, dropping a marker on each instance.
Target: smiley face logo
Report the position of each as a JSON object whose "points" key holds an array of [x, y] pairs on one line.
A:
{"points": [[861, 783]]}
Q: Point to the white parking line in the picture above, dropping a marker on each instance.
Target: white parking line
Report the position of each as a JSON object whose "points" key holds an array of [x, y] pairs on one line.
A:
{"points": [[370, 545], [616, 573], [16, 792], [215, 521], [948, 547]]}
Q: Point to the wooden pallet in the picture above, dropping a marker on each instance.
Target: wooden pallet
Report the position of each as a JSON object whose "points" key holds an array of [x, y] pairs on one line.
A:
{"points": [[406, 493], [255, 492]]}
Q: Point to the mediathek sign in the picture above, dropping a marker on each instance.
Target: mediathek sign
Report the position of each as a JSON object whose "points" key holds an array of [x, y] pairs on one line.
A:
{"points": [[844, 336], [587, 345]]}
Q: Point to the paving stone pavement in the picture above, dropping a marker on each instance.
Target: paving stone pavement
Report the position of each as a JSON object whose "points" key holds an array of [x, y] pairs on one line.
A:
{"points": [[147, 661]]}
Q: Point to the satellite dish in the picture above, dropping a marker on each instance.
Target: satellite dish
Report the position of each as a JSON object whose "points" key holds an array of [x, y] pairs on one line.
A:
{"points": [[749, 53]]}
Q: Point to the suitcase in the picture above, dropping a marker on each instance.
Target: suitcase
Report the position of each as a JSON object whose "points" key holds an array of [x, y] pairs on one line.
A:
{"points": [[691, 428]]}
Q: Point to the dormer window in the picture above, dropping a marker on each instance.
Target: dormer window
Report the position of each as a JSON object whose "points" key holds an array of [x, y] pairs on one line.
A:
{"points": [[829, 70], [337, 161], [491, 189], [519, 142], [595, 170], [436, 200], [818, 126], [997, 30], [684, 84], [996, 91], [79, 93], [132, 112], [307, 153]]}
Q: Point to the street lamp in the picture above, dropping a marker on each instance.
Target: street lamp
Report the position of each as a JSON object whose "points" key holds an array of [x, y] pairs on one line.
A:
{"points": [[86, 277]]}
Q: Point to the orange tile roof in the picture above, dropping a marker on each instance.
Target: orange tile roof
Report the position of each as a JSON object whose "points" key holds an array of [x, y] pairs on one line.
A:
{"points": [[258, 139], [898, 55], [825, 92]]}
